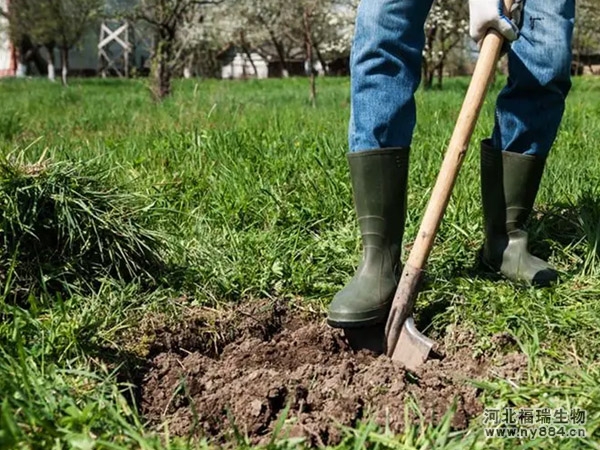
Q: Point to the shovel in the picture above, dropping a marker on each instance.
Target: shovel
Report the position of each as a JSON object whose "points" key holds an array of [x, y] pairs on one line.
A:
{"points": [[404, 343]]}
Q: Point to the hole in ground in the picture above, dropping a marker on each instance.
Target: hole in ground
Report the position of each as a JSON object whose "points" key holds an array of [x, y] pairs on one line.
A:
{"points": [[261, 361]]}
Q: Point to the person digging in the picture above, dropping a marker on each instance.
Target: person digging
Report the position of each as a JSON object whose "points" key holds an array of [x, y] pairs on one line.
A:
{"points": [[385, 73]]}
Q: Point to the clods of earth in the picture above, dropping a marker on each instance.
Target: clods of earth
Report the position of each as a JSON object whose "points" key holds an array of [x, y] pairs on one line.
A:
{"points": [[268, 366]]}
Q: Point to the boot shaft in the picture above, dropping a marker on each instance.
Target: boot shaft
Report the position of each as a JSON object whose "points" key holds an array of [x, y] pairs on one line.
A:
{"points": [[509, 185], [379, 181]]}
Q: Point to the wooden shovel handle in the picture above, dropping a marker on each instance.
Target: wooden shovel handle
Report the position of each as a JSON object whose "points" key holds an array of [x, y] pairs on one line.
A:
{"points": [[457, 150], [404, 299]]}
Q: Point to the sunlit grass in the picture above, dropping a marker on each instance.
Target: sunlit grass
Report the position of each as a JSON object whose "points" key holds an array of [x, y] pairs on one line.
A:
{"points": [[250, 186]]}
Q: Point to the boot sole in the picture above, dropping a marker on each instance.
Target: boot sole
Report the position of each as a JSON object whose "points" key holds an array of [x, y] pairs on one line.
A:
{"points": [[344, 323]]}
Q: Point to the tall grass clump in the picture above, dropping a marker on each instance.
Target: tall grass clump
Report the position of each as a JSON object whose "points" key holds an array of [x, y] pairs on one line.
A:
{"points": [[65, 225]]}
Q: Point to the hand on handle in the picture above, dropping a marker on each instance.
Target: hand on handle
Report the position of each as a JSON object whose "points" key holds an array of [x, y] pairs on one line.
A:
{"points": [[486, 14]]}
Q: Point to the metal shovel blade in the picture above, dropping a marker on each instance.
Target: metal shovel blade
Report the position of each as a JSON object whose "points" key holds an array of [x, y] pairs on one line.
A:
{"points": [[412, 348], [405, 344]]}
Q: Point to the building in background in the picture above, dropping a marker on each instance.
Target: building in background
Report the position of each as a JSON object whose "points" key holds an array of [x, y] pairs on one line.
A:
{"points": [[236, 64], [84, 59]]}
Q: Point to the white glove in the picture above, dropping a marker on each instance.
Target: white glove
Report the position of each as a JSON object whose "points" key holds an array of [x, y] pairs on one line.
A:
{"points": [[486, 14]]}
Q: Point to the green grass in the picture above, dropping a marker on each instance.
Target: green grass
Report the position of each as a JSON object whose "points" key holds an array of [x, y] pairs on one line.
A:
{"points": [[65, 225], [254, 194]]}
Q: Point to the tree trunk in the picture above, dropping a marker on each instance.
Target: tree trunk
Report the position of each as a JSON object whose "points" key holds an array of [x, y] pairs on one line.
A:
{"points": [[51, 68], [64, 61], [249, 56], [578, 64], [162, 72], [21, 70], [429, 71], [424, 70], [321, 59], [40, 62], [29, 53], [440, 72], [282, 59], [247, 53], [427, 65], [429, 80], [21, 60], [443, 54], [51, 71], [309, 59]]}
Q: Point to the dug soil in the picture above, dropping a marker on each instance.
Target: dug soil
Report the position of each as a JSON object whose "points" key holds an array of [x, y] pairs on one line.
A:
{"points": [[271, 368]]}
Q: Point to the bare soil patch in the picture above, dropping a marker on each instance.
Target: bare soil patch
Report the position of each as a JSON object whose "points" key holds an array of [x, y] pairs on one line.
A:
{"points": [[243, 369]]}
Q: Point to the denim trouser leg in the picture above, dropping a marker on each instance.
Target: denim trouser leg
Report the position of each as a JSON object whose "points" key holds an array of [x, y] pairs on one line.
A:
{"points": [[385, 68], [530, 108]]}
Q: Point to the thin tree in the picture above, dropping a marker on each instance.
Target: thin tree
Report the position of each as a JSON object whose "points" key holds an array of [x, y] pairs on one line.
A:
{"points": [[266, 25], [313, 32], [64, 22], [167, 18], [307, 15], [445, 30]]}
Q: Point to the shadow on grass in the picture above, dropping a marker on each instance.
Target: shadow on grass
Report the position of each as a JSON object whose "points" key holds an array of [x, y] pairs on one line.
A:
{"points": [[129, 369], [574, 227]]}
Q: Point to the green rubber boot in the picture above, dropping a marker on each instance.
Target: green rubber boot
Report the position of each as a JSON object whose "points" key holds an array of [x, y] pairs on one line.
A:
{"points": [[509, 185], [379, 180]]}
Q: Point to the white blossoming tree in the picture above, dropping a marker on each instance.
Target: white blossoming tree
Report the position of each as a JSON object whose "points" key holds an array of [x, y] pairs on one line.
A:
{"points": [[445, 30], [168, 19]]}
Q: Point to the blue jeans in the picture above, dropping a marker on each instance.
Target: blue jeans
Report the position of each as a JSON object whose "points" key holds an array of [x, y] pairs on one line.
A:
{"points": [[386, 71]]}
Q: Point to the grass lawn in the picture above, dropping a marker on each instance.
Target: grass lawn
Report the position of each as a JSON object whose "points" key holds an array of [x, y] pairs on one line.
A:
{"points": [[247, 189]]}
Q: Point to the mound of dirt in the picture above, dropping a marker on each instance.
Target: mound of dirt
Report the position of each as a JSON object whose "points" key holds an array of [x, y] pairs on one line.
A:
{"points": [[276, 362]]}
